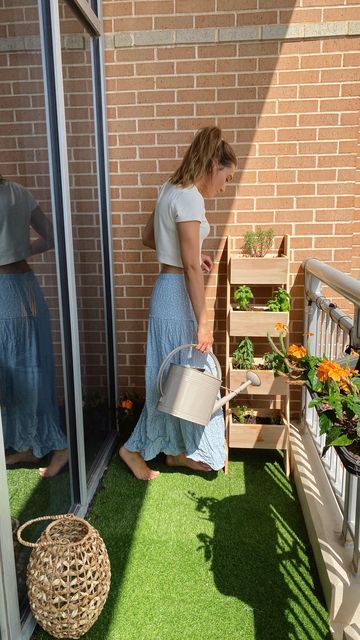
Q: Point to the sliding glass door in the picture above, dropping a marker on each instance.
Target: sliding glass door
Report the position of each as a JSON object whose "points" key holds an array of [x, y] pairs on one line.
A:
{"points": [[52, 136]]}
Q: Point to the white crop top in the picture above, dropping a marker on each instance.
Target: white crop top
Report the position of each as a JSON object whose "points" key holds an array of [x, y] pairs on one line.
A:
{"points": [[16, 206], [177, 204]]}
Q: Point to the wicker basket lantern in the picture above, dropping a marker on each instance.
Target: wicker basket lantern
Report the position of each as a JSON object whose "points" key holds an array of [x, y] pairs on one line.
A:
{"points": [[68, 575]]}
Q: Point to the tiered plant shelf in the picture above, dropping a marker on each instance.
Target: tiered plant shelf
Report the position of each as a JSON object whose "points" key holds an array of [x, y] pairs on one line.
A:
{"points": [[270, 272]]}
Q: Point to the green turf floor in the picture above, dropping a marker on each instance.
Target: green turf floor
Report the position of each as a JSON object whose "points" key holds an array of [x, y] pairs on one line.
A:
{"points": [[207, 556]]}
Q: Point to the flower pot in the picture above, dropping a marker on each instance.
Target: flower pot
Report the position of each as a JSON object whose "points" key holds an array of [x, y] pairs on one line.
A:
{"points": [[259, 435], [271, 269], [350, 461], [270, 384]]}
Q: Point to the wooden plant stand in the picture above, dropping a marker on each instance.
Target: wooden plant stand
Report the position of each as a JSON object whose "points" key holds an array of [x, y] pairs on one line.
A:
{"points": [[269, 272]]}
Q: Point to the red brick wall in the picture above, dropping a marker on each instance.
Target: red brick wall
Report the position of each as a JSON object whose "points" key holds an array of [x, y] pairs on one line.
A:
{"points": [[288, 106]]}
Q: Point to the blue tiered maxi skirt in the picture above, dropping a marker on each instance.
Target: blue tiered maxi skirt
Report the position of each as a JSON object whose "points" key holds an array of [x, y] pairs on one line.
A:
{"points": [[172, 323], [29, 411]]}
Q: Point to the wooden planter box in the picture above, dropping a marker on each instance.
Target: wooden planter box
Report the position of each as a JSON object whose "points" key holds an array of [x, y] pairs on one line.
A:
{"points": [[259, 436], [268, 270], [256, 323], [270, 384]]}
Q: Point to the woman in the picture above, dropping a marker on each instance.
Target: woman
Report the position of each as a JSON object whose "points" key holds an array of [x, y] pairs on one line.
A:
{"points": [[29, 411], [178, 313]]}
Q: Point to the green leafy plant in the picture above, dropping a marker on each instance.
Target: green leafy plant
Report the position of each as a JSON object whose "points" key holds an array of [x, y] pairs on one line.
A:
{"points": [[273, 362], [258, 242], [242, 411], [244, 354], [280, 301], [242, 296]]}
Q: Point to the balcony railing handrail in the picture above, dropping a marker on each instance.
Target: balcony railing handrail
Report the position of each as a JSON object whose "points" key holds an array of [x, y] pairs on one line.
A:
{"points": [[340, 282]]}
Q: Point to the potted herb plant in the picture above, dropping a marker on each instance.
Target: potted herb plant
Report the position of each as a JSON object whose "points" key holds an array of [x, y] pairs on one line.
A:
{"points": [[243, 359], [242, 297], [259, 242], [257, 428], [256, 320]]}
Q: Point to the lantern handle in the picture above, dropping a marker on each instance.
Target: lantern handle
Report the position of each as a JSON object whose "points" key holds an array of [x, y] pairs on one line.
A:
{"points": [[33, 545]]}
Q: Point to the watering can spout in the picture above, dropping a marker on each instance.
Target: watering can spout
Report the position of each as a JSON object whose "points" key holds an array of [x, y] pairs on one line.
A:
{"points": [[252, 379]]}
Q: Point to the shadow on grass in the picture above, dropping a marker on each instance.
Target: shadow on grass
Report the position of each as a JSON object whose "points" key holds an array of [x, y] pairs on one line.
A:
{"points": [[260, 553]]}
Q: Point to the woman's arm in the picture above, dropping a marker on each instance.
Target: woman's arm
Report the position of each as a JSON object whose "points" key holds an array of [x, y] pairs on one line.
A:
{"points": [[189, 249], [42, 225], [148, 236]]}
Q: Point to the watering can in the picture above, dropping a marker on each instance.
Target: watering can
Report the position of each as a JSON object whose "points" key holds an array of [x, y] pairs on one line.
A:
{"points": [[191, 393]]}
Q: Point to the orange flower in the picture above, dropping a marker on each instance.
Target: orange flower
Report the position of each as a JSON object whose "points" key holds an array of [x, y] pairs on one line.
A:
{"points": [[327, 369], [127, 404], [280, 326], [297, 351]]}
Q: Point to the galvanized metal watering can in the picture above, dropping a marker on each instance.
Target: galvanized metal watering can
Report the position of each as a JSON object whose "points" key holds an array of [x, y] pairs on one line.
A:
{"points": [[191, 393]]}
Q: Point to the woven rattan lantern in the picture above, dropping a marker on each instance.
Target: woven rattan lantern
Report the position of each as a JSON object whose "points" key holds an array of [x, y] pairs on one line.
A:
{"points": [[68, 575]]}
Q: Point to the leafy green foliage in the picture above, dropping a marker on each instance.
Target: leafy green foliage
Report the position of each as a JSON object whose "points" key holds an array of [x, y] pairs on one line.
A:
{"points": [[244, 354], [258, 242], [280, 301], [242, 296], [242, 411], [273, 362]]}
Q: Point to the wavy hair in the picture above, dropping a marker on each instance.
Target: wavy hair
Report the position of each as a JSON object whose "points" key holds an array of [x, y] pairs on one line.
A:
{"points": [[206, 148]]}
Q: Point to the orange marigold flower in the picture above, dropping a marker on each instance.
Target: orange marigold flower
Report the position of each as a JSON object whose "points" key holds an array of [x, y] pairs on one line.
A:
{"points": [[333, 370], [280, 326], [297, 351], [344, 386], [127, 404]]}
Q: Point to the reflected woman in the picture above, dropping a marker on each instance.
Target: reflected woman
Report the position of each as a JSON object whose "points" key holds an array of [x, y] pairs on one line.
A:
{"points": [[29, 411]]}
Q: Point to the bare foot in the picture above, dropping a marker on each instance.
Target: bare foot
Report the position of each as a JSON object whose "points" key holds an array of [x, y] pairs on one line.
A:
{"points": [[21, 456], [182, 461], [137, 465], [59, 459]]}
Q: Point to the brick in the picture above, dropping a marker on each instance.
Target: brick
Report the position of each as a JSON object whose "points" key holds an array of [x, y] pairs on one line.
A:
{"points": [[218, 20], [187, 6], [174, 22]]}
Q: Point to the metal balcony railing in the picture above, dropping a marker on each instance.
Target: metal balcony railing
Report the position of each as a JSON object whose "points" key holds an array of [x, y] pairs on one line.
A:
{"points": [[333, 331]]}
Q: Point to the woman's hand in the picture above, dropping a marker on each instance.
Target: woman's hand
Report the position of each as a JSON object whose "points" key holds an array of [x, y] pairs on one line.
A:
{"points": [[206, 263], [205, 338]]}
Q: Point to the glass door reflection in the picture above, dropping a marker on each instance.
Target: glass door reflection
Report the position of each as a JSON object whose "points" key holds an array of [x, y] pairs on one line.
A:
{"points": [[86, 231], [31, 377]]}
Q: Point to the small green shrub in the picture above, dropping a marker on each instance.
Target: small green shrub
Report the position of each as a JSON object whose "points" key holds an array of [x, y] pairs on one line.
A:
{"points": [[242, 296], [273, 362], [242, 411], [280, 301], [258, 242], [244, 354]]}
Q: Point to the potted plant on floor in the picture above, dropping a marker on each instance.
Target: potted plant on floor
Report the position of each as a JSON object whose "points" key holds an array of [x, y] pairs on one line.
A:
{"points": [[129, 409], [335, 391]]}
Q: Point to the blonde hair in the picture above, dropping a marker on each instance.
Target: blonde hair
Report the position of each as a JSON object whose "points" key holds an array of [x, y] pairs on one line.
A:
{"points": [[198, 161]]}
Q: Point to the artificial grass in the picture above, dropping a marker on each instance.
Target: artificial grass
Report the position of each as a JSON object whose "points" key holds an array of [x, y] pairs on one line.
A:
{"points": [[207, 556]]}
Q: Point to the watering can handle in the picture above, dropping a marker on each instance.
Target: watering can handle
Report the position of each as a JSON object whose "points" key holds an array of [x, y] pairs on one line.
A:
{"points": [[170, 355]]}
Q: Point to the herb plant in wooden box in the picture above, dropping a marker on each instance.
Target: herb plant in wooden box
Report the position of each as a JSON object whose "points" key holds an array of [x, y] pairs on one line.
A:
{"points": [[248, 269]]}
